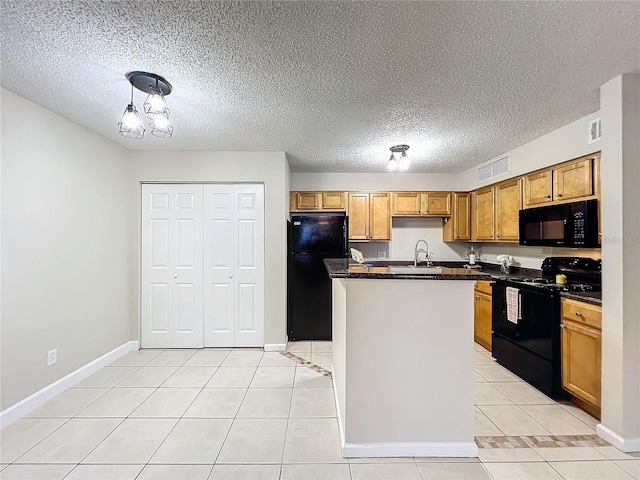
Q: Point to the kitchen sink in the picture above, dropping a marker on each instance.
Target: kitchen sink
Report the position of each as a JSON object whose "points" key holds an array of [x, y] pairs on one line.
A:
{"points": [[412, 269]]}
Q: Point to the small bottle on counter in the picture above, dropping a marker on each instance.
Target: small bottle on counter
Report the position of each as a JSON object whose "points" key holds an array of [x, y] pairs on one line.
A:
{"points": [[472, 256]]}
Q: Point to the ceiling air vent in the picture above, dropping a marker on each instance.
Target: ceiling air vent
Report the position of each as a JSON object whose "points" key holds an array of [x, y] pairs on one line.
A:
{"points": [[595, 131], [493, 169]]}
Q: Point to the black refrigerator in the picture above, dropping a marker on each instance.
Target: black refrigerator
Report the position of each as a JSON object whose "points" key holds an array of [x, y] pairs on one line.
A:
{"points": [[312, 238]]}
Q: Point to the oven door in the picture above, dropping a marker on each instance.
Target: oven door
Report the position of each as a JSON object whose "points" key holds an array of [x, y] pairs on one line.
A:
{"points": [[539, 321]]}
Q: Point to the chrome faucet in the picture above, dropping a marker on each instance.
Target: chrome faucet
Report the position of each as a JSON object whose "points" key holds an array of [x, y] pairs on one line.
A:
{"points": [[417, 251]]}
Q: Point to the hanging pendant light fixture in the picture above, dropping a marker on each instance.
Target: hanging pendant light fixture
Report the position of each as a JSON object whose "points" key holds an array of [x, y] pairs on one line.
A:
{"points": [[155, 106], [130, 125], [403, 163]]}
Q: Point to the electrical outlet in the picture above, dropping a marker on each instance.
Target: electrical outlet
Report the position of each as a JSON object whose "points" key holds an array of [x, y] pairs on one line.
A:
{"points": [[52, 357], [382, 255]]}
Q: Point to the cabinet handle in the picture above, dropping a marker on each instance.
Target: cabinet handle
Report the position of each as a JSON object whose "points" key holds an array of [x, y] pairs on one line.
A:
{"points": [[497, 236], [579, 314], [562, 325], [547, 196], [558, 194]]}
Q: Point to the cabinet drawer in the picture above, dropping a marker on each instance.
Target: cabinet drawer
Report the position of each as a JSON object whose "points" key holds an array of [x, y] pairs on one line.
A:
{"points": [[582, 313], [483, 286]]}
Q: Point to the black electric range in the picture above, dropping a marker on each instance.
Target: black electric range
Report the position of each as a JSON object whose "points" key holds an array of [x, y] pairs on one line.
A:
{"points": [[529, 345]]}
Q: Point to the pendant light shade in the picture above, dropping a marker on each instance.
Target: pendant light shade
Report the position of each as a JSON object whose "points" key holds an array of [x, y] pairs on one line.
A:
{"points": [[130, 125], [155, 104]]}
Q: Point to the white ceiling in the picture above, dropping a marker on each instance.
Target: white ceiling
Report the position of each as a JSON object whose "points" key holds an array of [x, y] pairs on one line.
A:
{"points": [[332, 83]]}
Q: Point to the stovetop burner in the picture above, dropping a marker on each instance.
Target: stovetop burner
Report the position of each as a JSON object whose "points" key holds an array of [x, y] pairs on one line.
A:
{"points": [[581, 287]]}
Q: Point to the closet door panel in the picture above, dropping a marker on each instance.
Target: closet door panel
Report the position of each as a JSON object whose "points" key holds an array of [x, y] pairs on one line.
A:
{"points": [[172, 253], [219, 273]]}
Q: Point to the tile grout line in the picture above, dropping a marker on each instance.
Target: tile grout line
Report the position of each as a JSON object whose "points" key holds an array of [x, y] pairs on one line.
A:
{"points": [[233, 420]]}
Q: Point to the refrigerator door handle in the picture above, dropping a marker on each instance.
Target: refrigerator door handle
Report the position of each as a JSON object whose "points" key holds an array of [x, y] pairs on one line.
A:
{"points": [[345, 233]]}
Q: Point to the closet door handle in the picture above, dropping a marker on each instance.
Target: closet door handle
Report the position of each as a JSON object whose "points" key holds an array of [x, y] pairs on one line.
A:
{"points": [[175, 276], [230, 276]]}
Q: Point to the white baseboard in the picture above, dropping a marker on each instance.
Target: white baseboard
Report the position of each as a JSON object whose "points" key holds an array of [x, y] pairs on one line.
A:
{"points": [[410, 449], [29, 404], [623, 444], [275, 347]]}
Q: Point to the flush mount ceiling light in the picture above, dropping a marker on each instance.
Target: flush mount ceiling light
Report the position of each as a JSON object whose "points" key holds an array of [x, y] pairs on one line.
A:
{"points": [[155, 107], [401, 164]]}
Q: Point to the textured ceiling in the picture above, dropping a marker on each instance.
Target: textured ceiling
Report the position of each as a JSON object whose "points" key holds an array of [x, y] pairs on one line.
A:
{"points": [[332, 83]]}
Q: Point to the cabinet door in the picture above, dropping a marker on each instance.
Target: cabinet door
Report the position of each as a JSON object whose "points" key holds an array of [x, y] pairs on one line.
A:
{"points": [[537, 189], [482, 318], [307, 201], [508, 204], [484, 213], [333, 200], [407, 203], [358, 216], [573, 180], [458, 227], [437, 203], [380, 216], [581, 361]]}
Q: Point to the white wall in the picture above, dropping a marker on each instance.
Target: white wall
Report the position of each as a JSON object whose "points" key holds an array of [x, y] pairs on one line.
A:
{"points": [[373, 181], [563, 144], [65, 246], [269, 168], [620, 104]]}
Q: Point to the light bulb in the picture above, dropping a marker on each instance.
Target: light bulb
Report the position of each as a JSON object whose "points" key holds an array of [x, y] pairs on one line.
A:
{"points": [[155, 105], [392, 164], [403, 164], [130, 118], [160, 121]]}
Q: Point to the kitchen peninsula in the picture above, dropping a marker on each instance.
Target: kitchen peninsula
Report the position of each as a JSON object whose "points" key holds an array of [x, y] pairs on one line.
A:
{"points": [[403, 359]]}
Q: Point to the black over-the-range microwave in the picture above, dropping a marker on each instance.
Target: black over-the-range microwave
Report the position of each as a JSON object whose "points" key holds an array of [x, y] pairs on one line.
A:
{"points": [[565, 225]]}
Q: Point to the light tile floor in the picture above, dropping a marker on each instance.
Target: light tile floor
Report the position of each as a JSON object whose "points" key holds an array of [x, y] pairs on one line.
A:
{"points": [[222, 414]]}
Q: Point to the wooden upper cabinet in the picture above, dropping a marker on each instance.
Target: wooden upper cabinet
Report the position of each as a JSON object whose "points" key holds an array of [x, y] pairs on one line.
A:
{"points": [[538, 188], [507, 210], [458, 227], [309, 201], [563, 183], [484, 214], [380, 216], [574, 180], [413, 204], [437, 203], [407, 203], [333, 200], [358, 216], [369, 216]]}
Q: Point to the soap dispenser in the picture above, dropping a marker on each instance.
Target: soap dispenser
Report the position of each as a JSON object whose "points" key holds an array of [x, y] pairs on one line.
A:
{"points": [[472, 256]]}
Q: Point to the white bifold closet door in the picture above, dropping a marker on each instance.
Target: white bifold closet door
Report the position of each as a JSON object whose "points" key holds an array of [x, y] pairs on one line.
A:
{"points": [[172, 266], [202, 265], [234, 265]]}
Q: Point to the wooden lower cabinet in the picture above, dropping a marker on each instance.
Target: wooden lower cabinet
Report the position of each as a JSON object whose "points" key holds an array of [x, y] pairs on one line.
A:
{"points": [[582, 353], [482, 313]]}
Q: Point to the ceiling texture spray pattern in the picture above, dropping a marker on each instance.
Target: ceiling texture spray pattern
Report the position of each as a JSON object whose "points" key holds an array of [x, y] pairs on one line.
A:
{"points": [[332, 83]]}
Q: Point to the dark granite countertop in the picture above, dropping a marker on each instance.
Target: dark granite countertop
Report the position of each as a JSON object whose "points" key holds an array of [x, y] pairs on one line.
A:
{"points": [[594, 298], [398, 270]]}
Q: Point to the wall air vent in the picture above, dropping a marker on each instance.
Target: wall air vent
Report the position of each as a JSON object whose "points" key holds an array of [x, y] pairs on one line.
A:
{"points": [[595, 131], [494, 168]]}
